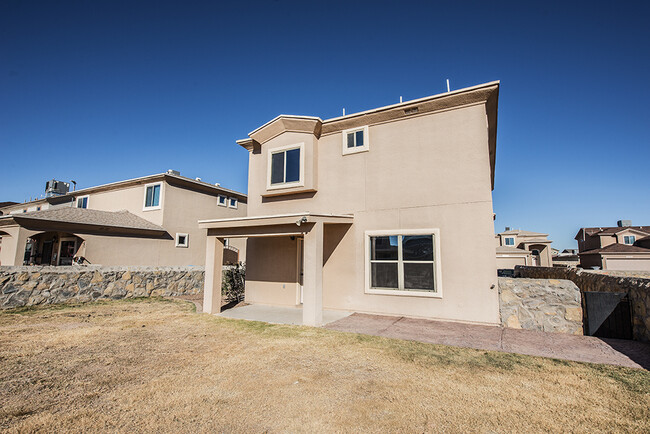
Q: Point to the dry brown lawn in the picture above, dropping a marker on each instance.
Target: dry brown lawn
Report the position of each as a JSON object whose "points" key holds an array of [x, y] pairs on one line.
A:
{"points": [[154, 365]]}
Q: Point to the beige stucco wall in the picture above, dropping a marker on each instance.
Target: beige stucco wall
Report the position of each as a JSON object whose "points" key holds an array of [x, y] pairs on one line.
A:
{"points": [[422, 172], [181, 209], [509, 262], [627, 262]]}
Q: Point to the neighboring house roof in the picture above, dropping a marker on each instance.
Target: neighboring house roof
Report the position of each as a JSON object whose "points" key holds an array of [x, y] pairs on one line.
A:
{"points": [[89, 219], [523, 233], [512, 250], [617, 248], [612, 230], [171, 178]]}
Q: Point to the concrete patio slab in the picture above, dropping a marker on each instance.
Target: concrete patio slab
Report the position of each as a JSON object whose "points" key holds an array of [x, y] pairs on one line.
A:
{"points": [[277, 314], [631, 354]]}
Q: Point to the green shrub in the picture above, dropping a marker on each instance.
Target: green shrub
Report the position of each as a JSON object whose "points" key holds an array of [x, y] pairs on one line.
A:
{"points": [[232, 287]]}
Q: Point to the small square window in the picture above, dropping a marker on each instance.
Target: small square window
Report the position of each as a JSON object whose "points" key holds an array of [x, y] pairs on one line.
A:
{"points": [[222, 200], [232, 202], [629, 239], [182, 240], [82, 202], [510, 241], [355, 140]]}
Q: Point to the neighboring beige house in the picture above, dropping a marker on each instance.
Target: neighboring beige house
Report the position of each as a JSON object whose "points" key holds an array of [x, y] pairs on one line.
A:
{"points": [[518, 247], [386, 211], [622, 247], [144, 221]]}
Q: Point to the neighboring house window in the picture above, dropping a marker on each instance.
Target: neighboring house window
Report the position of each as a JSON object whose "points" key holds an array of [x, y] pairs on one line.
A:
{"points": [[286, 166], [629, 239], [82, 202], [222, 200], [152, 196], [355, 140], [182, 240], [232, 203], [38, 208], [403, 263], [509, 241]]}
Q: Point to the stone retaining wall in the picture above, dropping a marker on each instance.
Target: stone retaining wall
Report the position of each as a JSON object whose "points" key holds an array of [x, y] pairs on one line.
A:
{"points": [[638, 289], [547, 305], [28, 286]]}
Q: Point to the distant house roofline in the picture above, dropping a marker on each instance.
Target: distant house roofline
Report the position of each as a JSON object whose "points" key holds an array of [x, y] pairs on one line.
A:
{"points": [[175, 179]]}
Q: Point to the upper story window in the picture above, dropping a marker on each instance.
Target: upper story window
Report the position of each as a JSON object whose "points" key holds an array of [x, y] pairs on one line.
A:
{"points": [[152, 193], [232, 202], [286, 165], [222, 200], [629, 239], [509, 241], [82, 202], [355, 140]]}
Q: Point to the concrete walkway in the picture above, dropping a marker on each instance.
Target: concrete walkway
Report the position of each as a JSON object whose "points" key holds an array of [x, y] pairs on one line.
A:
{"points": [[278, 315], [631, 354]]}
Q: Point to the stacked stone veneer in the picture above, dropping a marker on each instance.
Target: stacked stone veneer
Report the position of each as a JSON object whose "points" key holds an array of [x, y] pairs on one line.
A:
{"points": [[28, 286], [637, 288], [547, 305]]}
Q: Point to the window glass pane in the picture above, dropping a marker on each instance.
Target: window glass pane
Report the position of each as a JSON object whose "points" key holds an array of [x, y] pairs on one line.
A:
{"points": [[417, 248], [156, 195], [359, 135], [418, 276], [293, 165], [277, 168], [383, 275], [383, 248], [350, 140], [148, 201]]}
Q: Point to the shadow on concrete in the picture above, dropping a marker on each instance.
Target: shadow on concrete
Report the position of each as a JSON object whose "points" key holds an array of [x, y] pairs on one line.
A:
{"points": [[639, 352]]}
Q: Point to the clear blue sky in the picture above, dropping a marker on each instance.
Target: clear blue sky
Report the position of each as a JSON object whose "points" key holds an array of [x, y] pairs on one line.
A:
{"points": [[101, 91]]}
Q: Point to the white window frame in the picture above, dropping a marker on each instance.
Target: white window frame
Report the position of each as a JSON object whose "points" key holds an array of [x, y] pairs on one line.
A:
{"points": [[87, 197], [437, 278], [301, 179], [344, 141], [505, 242], [628, 237], [225, 200], [144, 199], [230, 199], [187, 240]]}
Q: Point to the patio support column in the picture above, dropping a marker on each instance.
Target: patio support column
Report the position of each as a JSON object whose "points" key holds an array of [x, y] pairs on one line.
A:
{"points": [[213, 275], [312, 308]]}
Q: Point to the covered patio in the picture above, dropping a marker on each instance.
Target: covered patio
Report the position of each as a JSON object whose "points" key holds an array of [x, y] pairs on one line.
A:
{"points": [[305, 229]]}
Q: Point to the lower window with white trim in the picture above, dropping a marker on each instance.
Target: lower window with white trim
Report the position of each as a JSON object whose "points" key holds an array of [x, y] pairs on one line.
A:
{"points": [[403, 263]]}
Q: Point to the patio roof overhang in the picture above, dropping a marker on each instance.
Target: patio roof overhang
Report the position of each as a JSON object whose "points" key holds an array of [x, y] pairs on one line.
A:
{"points": [[271, 225]]}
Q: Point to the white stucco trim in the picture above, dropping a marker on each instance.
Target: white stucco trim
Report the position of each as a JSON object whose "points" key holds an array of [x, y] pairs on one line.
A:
{"points": [[405, 293]]}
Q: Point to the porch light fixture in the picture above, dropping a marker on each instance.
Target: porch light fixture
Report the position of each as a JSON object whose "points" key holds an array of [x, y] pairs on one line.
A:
{"points": [[301, 221]]}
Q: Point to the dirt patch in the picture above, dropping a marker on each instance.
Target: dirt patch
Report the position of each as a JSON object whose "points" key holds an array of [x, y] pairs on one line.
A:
{"points": [[153, 365]]}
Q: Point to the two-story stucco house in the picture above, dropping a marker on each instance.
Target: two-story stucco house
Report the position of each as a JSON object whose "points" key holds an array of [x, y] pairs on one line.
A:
{"points": [[623, 247], [143, 221], [519, 247], [386, 211]]}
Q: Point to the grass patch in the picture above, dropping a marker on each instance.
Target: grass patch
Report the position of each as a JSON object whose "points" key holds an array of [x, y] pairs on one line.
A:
{"points": [[152, 365]]}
